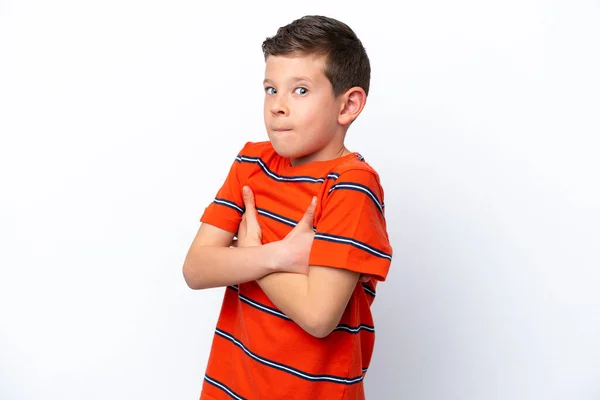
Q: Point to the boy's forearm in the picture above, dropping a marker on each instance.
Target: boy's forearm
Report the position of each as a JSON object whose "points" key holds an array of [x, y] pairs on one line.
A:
{"points": [[290, 293], [208, 266], [315, 301]]}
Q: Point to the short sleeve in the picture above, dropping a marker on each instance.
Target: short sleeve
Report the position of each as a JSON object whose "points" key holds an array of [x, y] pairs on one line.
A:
{"points": [[226, 210], [351, 231]]}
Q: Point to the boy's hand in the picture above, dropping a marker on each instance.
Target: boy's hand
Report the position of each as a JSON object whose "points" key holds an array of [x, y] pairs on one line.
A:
{"points": [[291, 256], [249, 232], [299, 241], [295, 247]]}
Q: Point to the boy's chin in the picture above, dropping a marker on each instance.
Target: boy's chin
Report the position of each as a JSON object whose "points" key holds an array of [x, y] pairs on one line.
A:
{"points": [[286, 151], [287, 154]]}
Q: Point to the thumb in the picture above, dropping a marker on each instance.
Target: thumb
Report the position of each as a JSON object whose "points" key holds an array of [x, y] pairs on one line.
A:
{"points": [[309, 215], [248, 198]]}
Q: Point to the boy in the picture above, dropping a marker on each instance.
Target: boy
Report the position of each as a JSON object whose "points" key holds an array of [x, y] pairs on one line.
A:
{"points": [[311, 234]]}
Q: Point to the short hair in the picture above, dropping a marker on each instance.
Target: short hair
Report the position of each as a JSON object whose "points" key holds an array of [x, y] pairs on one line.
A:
{"points": [[347, 63]]}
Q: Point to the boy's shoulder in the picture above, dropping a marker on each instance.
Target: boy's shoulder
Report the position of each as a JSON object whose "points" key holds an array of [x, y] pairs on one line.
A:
{"points": [[355, 169], [355, 163]]}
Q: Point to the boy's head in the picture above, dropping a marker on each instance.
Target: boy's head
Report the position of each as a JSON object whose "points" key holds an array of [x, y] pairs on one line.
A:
{"points": [[316, 82]]}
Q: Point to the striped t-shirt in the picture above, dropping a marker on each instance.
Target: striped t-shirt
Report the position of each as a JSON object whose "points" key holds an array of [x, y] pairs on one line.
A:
{"points": [[260, 353]]}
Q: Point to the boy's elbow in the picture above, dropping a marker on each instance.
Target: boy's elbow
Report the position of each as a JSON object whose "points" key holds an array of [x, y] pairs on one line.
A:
{"points": [[320, 326], [191, 278], [319, 332], [192, 284]]}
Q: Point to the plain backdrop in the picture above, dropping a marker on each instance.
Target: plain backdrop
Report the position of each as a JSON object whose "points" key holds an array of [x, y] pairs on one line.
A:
{"points": [[119, 121]]}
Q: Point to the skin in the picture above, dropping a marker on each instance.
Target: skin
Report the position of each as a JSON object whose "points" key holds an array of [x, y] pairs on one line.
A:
{"points": [[305, 122]]}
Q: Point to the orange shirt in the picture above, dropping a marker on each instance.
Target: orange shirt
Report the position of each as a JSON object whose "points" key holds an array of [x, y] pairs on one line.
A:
{"points": [[260, 353]]}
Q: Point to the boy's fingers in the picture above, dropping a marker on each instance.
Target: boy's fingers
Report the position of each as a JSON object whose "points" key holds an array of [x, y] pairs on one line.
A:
{"points": [[309, 216], [248, 198], [250, 213]]}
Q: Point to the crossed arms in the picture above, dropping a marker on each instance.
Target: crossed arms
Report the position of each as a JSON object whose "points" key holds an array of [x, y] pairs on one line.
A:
{"points": [[314, 297]]}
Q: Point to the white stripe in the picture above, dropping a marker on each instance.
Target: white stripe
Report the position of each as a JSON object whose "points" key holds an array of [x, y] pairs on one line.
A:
{"points": [[369, 290], [277, 177], [268, 310], [230, 204], [223, 387], [285, 221], [357, 329], [271, 311], [343, 240], [275, 365], [339, 185]]}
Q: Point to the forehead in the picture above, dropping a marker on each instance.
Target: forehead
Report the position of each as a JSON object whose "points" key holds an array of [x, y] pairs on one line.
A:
{"points": [[285, 67]]}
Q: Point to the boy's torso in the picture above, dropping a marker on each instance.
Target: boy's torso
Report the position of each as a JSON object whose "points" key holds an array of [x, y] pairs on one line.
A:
{"points": [[258, 352]]}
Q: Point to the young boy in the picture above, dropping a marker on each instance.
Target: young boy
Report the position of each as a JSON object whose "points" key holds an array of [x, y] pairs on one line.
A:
{"points": [[311, 233]]}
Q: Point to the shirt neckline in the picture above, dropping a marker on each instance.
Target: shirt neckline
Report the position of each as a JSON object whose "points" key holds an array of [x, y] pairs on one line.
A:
{"points": [[315, 165]]}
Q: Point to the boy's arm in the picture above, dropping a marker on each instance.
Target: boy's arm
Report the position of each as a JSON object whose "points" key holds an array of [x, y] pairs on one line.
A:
{"points": [[352, 239], [210, 262], [315, 301]]}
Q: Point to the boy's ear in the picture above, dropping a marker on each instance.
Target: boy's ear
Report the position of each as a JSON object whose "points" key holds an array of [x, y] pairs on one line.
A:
{"points": [[353, 102]]}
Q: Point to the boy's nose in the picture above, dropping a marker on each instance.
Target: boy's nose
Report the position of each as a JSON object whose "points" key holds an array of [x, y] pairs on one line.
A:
{"points": [[279, 107]]}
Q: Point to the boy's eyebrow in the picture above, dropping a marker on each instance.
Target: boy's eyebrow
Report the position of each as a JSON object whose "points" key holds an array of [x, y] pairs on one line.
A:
{"points": [[301, 78], [293, 79]]}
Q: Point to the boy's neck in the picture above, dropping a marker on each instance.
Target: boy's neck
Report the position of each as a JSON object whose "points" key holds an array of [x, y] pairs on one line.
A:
{"points": [[295, 162]]}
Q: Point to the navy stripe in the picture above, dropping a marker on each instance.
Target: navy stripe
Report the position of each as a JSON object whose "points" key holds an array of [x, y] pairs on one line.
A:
{"points": [[354, 329], [229, 204], [286, 368], [277, 313], [281, 178], [325, 236], [260, 211], [277, 217], [223, 387], [353, 242], [368, 290], [264, 308], [359, 188]]}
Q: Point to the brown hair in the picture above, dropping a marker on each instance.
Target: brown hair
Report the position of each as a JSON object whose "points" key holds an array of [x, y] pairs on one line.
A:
{"points": [[347, 64]]}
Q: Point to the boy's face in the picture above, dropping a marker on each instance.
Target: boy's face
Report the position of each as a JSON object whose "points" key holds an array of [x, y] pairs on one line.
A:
{"points": [[300, 110]]}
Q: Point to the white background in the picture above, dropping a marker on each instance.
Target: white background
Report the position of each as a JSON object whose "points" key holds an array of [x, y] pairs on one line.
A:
{"points": [[119, 121]]}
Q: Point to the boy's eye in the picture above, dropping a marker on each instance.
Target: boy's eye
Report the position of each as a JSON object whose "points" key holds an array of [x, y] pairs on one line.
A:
{"points": [[301, 90], [270, 90]]}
